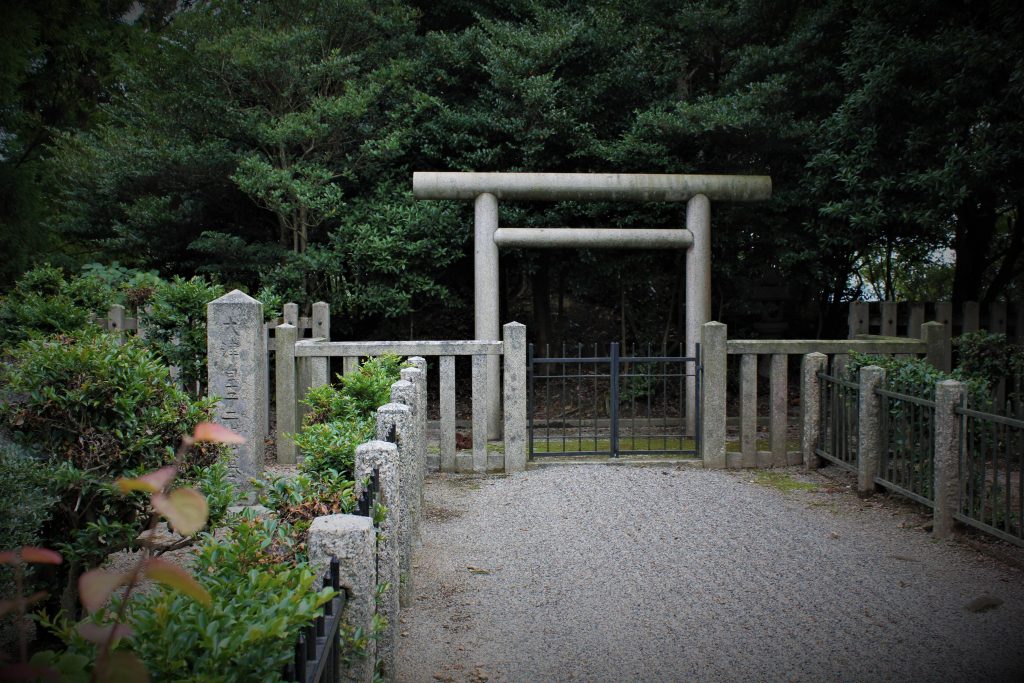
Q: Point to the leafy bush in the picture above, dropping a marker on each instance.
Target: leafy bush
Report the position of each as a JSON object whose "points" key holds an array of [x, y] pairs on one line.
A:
{"points": [[98, 410], [259, 602], [297, 500], [175, 324], [990, 357], [26, 503], [369, 386], [43, 302], [331, 446], [917, 377]]}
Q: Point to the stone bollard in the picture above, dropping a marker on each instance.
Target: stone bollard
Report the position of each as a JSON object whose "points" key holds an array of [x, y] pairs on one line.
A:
{"points": [[383, 457], [353, 540], [415, 376], [236, 369], [514, 351], [869, 428], [948, 395], [810, 407], [421, 429], [712, 413], [398, 416]]}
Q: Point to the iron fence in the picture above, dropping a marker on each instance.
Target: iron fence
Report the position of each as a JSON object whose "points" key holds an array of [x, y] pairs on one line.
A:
{"points": [[318, 647], [610, 404], [838, 426], [907, 460], [991, 486]]}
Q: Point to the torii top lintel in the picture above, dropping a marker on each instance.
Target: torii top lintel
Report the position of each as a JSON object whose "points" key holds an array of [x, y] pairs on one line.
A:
{"points": [[636, 187]]}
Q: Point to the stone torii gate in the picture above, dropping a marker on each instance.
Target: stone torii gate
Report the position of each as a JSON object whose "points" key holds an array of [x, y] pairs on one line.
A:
{"points": [[485, 189]]}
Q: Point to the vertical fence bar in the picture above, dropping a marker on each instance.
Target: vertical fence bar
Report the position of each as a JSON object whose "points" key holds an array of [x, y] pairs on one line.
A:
{"points": [[748, 409], [613, 410], [115, 321], [480, 408], [858, 321], [889, 318], [530, 405], [915, 320], [972, 317], [321, 320], [779, 408], [446, 397], [937, 341]]}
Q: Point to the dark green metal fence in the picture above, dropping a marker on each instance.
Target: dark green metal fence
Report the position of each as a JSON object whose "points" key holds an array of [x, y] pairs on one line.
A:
{"points": [[991, 486], [906, 463], [837, 433]]}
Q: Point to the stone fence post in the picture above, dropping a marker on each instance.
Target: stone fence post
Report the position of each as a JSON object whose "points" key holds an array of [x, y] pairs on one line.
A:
{"points": [[399, 417], [383, 457], [712, 389], [810, 407], [287, 409], [420, 419], [869, 428], [353, 540], [514, 352], [948, 395], [236, 370]]}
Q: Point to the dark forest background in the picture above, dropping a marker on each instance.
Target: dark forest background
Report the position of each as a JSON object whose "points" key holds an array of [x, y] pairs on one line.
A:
{"points": [[272, 144]]}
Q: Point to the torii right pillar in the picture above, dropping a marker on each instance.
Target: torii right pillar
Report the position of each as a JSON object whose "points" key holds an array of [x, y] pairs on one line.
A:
{"points": [[698, 292]]}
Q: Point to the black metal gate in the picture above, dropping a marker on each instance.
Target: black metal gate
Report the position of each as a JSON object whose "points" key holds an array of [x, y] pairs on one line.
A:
{"points": [[612, 404]]}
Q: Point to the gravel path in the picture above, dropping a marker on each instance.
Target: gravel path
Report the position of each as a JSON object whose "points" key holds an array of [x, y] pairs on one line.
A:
{"points": [[596, 573]]}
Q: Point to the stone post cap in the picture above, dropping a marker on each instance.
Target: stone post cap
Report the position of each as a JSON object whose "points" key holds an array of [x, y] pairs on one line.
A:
{"points": [[338, 524], [377, 447], [949, 384], [287, 326], [235, 296], [713, 323], [816, 355], [389, 408], [513, 324]]}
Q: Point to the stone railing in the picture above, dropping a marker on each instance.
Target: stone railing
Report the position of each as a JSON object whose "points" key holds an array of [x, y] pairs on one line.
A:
{"points": [[370, 556], [715, 350], [302, 364]]}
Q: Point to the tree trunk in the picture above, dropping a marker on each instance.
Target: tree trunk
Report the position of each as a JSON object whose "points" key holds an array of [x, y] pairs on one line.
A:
{"points": [[975, 227], [1008, 267]]}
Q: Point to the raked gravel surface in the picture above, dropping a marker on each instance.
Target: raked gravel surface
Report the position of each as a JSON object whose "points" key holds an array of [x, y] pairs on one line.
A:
{"points": [[599, 573]]}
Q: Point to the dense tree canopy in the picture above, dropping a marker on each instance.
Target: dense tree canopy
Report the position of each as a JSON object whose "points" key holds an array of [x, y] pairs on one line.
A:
{"points": [[274, 142]]}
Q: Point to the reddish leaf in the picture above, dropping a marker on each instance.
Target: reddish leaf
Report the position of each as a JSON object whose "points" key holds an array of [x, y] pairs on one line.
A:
{"points": [[175, 577], [97, 633], [214, 433], [122, 666], [152, 482], [9, 557], [96, 585], [40, 555], [185, 509]]}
